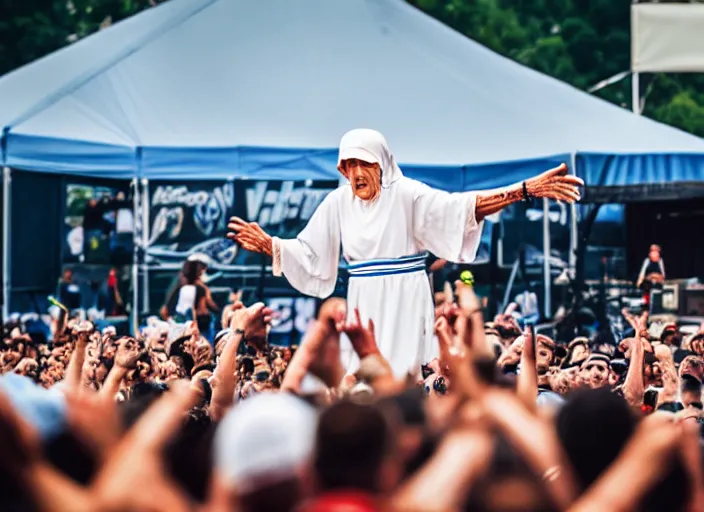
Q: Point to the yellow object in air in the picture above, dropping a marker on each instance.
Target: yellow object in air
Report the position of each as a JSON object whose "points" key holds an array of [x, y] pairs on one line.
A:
{"points": [[467, 277]]}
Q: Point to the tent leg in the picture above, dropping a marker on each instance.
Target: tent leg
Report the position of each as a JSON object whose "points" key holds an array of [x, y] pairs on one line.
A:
{"points": [[574, 226], [546, 258], [635, 93], [145, 243], [578, 283], [135, 255], [509, 285], [6, 186]]}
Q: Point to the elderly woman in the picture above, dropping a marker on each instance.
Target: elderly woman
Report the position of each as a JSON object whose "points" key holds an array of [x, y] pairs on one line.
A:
{"points": [[385, 223]]}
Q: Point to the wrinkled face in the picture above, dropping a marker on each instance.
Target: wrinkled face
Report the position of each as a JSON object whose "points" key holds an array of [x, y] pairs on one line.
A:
{"points": [[365, 178]]}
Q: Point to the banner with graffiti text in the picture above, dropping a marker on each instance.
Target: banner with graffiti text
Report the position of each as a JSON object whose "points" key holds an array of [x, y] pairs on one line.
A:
{"points": [[185, 218]]}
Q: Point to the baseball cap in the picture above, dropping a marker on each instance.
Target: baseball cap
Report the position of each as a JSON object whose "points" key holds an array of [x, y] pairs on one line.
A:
{"points": [[264, 440], [44, 409], [550, 400]]}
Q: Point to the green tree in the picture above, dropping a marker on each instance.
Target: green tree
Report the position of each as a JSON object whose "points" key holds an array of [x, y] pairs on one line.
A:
{"points": [[31, 29], [578, 41]]}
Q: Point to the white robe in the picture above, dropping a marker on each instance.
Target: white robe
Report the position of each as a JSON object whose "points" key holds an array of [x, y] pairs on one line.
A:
{"points": [[407, 218]]}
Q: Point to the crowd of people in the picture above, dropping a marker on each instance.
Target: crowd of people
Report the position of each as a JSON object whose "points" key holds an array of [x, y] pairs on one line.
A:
{"points": [[500, 421]]}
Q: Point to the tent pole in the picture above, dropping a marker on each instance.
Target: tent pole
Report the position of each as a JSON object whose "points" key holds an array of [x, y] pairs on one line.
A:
{"points": [[635, 78], [6, 186], [135, 255], [145, 243], [635, 93], [546, 257], [574, 227]]}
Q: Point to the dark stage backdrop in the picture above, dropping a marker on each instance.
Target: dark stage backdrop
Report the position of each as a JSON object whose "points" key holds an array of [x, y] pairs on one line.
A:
{"points": [[35, 231], [43, 211], [676, 226]]}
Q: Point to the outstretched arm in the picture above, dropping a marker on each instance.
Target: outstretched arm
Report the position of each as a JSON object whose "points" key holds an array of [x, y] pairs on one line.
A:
{"points": [[554, 184], [309, 262]]}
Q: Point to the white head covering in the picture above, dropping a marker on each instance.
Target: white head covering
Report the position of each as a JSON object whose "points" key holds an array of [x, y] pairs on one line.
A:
{"points": [[370, 146], [265, 439]]}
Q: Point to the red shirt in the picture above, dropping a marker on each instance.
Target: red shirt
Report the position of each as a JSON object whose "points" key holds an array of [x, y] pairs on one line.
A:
{"points": [[341, 501]]}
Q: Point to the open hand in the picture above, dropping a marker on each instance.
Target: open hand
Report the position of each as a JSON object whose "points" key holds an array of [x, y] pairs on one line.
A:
{"points": [[84, 327], [250, 236], [362, 338], [556, 184], [127, 353]]}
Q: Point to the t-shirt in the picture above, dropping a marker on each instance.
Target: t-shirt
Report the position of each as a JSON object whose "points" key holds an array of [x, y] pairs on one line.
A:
{"points": [[185, 297]]}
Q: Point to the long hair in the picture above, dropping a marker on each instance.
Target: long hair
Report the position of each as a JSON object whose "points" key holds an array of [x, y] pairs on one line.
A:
{"points": [[190, 272]]}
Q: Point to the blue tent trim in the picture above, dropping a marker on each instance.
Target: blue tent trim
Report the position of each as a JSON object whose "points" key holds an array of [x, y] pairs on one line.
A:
{"points": [[255, 163], [60, 156], [613, 170], [641, 177]]}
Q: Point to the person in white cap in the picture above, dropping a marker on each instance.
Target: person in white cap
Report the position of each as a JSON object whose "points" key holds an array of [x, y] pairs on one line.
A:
{"points": [[385, 222], [263, 451]]}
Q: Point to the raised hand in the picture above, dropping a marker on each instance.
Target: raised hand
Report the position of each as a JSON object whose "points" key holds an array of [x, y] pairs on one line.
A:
{"points": [[84, 327], [134, 476], [362, 338], [250, 236], [254, 320], [128, 353], [95, 419], [556, 184], [319, 352]]}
